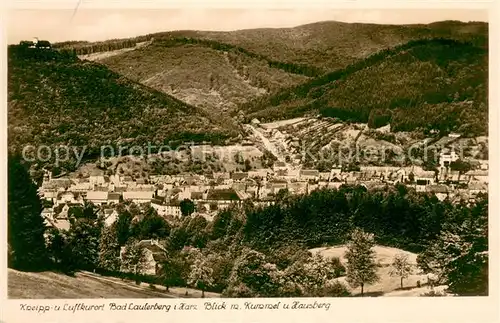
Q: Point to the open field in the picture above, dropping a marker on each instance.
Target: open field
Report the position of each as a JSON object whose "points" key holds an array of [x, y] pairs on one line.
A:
{"points": [[24, 285], [387, 285]]}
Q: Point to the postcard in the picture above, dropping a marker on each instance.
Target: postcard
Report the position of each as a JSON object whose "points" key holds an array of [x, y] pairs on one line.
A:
{"points": [[225, 162]]}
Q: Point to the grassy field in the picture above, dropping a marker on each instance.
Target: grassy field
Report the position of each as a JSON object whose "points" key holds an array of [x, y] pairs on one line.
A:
{"points": [[387, 285], [43, 285]]}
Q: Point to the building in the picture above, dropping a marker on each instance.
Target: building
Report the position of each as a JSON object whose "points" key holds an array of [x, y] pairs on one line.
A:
{"points": [[166, 209], [478, 187], [114, 198], [97, 197], [239, 176], [69, 197], [279, 165], [441, 191], [59, 224], [447, 157], [309, 174], [477, 176], [138, 197], [97, 180]]}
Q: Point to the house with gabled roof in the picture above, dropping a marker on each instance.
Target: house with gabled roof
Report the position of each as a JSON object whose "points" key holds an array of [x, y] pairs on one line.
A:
{"points": [[239, 176], [309, 174], [138, 197], [61, 224], [441, 191], [110, 216], [97, 197]]}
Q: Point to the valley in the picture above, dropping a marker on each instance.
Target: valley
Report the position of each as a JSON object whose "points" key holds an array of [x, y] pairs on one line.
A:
{"points": [[325, 160]]}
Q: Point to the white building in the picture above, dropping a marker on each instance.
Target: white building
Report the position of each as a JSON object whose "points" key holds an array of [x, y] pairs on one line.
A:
{"points": [[138, 197], [447, 157], [167, 209]]}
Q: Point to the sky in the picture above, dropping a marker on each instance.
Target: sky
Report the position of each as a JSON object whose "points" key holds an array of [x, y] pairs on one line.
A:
{"points": [[100, 24]]}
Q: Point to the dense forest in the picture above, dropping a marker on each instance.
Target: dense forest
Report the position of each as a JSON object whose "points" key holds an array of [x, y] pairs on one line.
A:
{"points": [[247, 251], [56, 99], [423, 84]]}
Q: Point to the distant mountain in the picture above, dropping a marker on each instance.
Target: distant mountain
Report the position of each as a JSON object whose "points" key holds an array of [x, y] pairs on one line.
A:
{"points": [[219, 71], [423, 84], [54, 98], [331, 45]]}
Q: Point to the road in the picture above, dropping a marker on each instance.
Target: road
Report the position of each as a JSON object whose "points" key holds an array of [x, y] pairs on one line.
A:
{"points": [[267, 143]]}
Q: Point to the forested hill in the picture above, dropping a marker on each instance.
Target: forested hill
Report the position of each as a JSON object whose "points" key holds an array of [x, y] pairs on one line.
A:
{"points": [[312, 48], [54, 98], [423, 84], [330, 45]]}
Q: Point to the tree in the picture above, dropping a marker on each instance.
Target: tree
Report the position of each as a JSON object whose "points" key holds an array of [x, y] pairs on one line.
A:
{"points": [[123, 226], [174, 269], [253, 276], [248, 165], [411, 177], [109, 249], [312, 276], [83, 241], [201, 274], [187, 207], [134, 258], [59, 251], [26, 227], [401, 267], [460, 166], [361, 266], [152, 226], [459, 255]]}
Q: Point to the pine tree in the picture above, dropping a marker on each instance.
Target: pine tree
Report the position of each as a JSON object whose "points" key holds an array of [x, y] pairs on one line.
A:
{"points": [[123, 227], [361, 266], [26, 227], [109, 249], [83, 241]]}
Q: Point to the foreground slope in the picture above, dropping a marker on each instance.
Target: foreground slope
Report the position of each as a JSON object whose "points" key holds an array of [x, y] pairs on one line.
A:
{"points": [[54, 98], [23, 285], [430, 84]]}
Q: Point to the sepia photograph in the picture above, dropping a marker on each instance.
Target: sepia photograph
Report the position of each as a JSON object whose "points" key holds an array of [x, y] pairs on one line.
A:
{"points": [[230, 153]]}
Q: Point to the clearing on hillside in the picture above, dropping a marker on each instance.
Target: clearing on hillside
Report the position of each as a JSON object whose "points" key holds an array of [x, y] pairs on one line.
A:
{"points": [[387, 285]]}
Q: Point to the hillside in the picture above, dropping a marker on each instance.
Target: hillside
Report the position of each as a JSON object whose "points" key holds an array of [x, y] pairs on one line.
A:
{"points": [[54, 98], [427, 84], [204, 74], [43, 285], [331, 45], [322, 46], [50, 285], [221, 70]]}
